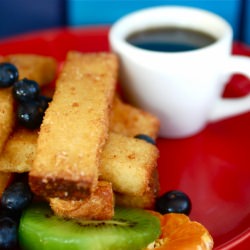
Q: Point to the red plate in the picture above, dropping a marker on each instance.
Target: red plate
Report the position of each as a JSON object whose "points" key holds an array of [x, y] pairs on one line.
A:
{"points": [[213, 167]]}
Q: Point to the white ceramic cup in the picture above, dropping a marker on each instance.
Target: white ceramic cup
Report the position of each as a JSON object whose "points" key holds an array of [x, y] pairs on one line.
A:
{"points": [[182, 88]]}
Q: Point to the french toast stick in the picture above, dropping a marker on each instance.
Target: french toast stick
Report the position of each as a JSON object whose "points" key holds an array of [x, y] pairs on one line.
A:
{"points": [[131, 121], [126, 120], [126, 162], [7, 115], [41, 69], [19, 151], [36, 67], [146, 200], [99, 206], [75, 127]]}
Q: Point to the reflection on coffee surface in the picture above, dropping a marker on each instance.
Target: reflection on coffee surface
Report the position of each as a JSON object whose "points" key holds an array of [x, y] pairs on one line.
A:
{"points": [[170, 39]]}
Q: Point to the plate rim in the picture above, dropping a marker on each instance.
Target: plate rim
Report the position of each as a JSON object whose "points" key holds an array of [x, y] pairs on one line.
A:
{"points": [[238, 240]]}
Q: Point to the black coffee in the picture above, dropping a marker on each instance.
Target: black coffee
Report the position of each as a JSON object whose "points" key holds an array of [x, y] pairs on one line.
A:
{"points": [[170, 39]]}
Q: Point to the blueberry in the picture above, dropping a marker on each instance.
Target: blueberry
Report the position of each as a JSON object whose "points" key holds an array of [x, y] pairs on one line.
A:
{"points": [[173, 202], [146, 138], [25, 90], [16, 197], [30, 114], [8, 233], [8, 74], [44, 101], [12, 214]]}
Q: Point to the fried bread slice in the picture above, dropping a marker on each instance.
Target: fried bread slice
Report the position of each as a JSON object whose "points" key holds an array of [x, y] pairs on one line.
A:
{"points": [[39, 68], [99, 206], [131, 121], [145, 201], [7, 115], [125, 161], [128, 163], [75, 127], [19, 151]]}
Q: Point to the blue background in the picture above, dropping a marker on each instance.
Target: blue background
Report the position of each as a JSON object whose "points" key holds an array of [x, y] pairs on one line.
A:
{"points": [[19, 16], [246, 37]]}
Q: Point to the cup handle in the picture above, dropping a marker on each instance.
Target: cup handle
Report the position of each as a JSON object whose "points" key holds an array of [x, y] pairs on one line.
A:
{"points": [[228, 107]]}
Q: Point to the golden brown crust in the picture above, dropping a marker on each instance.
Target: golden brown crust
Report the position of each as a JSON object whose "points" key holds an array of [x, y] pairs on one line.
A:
{"points": [[124, 162], [146, 200], [99, 206], [131, 121], [128, 163], [7, 117], [34, 67], [39, 68], [75, 127], [4, 181], [19, 151], [85, 150]]}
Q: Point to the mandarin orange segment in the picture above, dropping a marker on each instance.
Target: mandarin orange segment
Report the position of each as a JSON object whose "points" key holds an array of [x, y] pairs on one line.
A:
{"points": [[180, 233], [172, 222]]}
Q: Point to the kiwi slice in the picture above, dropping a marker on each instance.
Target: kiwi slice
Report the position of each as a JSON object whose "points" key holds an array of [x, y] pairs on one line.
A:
{"points": [[130, 229]]}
